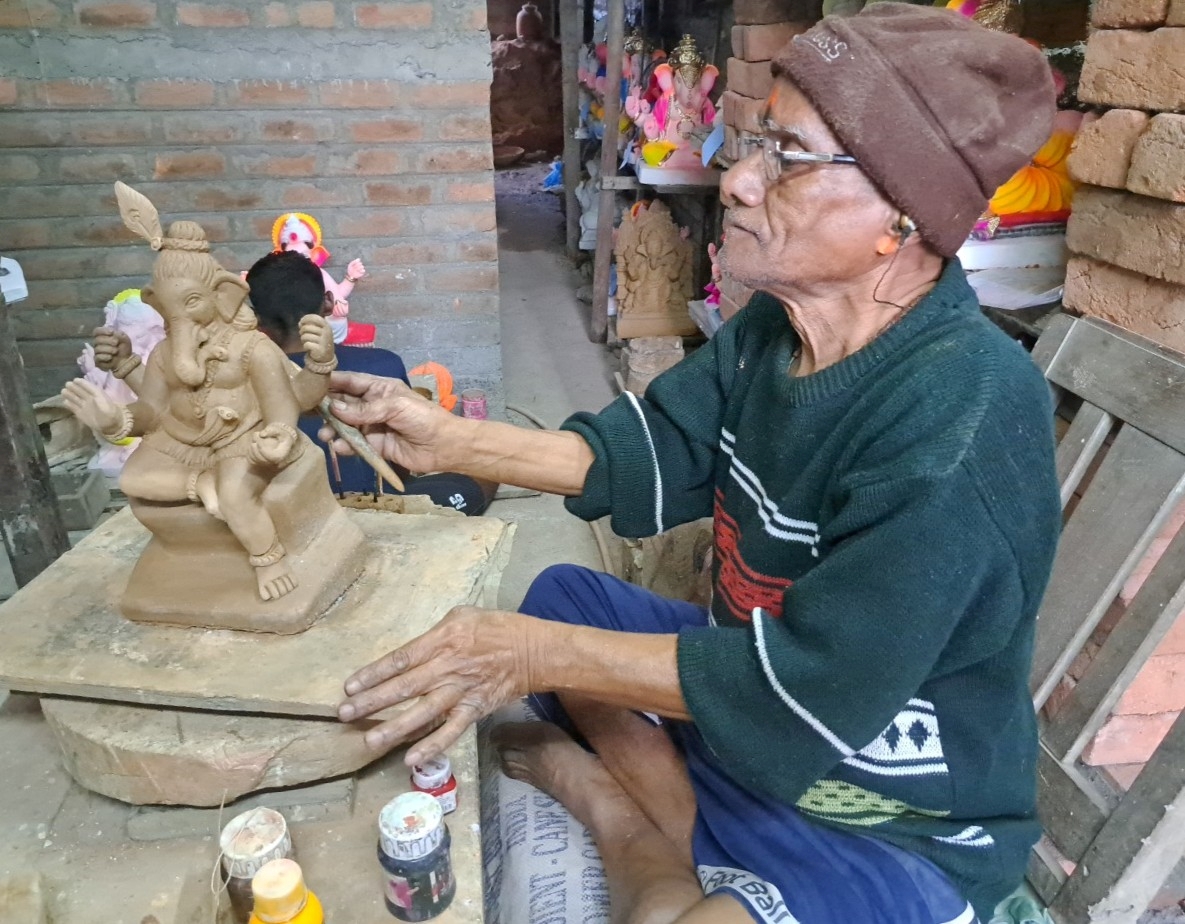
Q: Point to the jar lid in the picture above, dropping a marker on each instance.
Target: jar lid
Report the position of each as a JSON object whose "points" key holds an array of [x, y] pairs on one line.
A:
{"points": [[432, 774], [278, 891], [411, 826], [252, 839]]}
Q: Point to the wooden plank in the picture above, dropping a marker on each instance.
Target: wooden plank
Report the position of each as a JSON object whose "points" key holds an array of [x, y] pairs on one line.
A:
{"points": [[603, 261], [1151, 614], [1129, 377], [63, 633], [569, 13], [1138, 847], [30, 524], [1139, 483], [1072, 811], [1045, 873], [1046, 348], [1079, 446]]}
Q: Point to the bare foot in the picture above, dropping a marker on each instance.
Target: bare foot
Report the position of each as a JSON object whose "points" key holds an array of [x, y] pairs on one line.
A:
{"points": [[204, 489], [545, 756], [275, 581]]}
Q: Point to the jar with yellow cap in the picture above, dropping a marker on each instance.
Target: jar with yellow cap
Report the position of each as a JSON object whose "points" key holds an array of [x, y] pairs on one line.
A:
{"points": [[281, 896]]}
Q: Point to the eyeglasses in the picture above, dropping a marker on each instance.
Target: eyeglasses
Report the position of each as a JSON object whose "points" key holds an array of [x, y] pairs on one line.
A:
{"points": [[776, 158]]}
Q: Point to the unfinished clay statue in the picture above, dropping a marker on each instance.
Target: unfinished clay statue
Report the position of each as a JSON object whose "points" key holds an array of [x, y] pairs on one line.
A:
{"points": [[654, 274], [222, 478]]}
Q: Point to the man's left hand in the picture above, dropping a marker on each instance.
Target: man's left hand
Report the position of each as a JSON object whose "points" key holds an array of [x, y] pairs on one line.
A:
{"points": [[473, 662]]}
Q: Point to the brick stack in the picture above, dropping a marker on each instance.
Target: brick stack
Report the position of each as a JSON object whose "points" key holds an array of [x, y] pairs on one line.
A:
{"points": [[762, 28], [1127, 232]]}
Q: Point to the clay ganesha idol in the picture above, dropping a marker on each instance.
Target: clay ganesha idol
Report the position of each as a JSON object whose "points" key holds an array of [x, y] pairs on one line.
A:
{"points": [[222, 478]]}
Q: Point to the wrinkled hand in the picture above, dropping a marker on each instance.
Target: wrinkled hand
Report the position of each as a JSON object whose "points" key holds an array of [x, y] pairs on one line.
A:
{"points": [[470, 664], [112, 347], [341, 307], [400, 424], [316, 338], [355, 270], [90, 404], [272, 445]]}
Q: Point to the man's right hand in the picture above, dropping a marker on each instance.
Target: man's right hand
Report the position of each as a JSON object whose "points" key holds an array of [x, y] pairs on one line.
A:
{"points": [[112, 347], [399, 423]]}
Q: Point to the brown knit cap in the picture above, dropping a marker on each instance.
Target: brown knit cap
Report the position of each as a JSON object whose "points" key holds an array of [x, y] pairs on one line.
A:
{"points": [[938, 110]]}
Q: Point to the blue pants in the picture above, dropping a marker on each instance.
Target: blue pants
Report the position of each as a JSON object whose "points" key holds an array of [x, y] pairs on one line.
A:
{"points": [[782, 867]]}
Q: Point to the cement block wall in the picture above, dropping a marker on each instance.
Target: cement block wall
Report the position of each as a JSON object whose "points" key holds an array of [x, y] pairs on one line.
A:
{"points": [[371, 116]]}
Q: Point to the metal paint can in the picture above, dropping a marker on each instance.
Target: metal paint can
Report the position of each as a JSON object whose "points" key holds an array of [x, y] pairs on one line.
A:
{"points": [[249, 842]]}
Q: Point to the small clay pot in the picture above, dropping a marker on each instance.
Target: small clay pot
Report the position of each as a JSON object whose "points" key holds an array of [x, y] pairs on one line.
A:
{"points": [[528, 25]]}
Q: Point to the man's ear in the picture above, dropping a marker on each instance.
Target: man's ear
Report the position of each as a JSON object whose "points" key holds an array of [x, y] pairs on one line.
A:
{"points": [[230, 291], [327, 304]]}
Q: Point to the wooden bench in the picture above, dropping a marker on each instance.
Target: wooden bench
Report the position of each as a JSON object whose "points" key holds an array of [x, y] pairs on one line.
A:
{"points": [[1129, 433]]}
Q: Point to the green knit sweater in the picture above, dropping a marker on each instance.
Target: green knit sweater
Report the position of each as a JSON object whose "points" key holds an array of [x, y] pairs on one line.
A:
{"points": [[884, 530]]}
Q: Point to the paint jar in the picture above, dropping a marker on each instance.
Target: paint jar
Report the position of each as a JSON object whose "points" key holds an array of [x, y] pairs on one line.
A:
{"points": [[414, 845], [281, 897], [249, 842], [435, 777], [473, 404]]}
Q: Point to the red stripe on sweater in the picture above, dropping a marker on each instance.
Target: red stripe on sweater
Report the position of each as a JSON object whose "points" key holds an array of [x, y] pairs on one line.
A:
{"points": [[740, 587]]}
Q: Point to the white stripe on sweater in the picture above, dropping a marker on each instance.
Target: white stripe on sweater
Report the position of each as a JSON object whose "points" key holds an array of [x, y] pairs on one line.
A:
{"points": [[796, 707], [973, 836], [653, 459], [772, 519], [728, 445]]}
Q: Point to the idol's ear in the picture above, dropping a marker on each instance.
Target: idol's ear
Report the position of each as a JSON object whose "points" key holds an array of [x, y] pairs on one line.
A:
{"points": [[708, 78], [230, 291], [665, 77]]}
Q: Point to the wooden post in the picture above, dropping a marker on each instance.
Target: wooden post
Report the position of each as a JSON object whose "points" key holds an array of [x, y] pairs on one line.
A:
{"points": [[30, 523], [615, 39], [569, 11]]}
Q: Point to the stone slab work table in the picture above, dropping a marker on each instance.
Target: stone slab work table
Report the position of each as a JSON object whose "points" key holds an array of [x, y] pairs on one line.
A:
{"points": [[63, 633]]}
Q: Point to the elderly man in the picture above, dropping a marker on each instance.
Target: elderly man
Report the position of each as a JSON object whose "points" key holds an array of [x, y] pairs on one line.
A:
{"points": [[846, 736]]}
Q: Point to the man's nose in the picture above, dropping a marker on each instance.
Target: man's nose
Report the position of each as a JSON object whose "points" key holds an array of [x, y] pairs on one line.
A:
{"points": [[744, 183]]}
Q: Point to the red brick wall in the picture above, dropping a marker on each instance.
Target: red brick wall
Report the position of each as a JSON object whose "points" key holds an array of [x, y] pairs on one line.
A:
{"points": [[373, 117]]}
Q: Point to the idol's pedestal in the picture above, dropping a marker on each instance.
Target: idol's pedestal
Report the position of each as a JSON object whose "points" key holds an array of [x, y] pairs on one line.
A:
{"points": [[203, 716]]}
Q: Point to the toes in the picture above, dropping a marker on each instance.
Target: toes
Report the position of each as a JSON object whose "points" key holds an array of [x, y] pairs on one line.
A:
{"points": [[514, 766], [278, 587]]}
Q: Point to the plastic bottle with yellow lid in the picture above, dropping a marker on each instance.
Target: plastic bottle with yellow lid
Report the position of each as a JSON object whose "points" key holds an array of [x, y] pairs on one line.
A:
{"points": [[281, 896]]}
